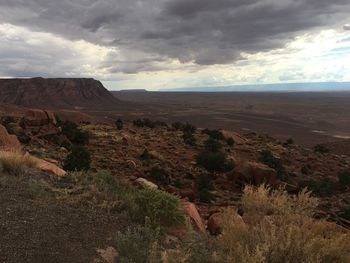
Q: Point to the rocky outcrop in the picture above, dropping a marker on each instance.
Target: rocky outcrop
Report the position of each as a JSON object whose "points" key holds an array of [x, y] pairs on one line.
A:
{"points": [[55, 93], [39, 118], [191, 211], [256, 173], [7, 141]]}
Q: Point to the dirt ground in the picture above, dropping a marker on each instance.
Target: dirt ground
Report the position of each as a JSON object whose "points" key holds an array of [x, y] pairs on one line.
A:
{"points": [[40, 229]]}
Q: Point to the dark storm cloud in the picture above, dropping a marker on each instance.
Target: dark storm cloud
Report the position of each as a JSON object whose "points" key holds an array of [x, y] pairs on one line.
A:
{"points": [[201, 31]]}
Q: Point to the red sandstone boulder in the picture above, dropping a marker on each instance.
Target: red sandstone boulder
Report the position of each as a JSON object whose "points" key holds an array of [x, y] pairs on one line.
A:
{"points": [[214, 224], [191, 210], [257, 173], [39, 118], [7, 141]]}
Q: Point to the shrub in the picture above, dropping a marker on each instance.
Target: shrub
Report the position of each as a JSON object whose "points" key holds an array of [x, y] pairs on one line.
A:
{"points": [[267, 158], [76, 136], [214, 161], [205, 182], [119, 123], [212, 145], [178, 126], [145, 157], [277, 227], [321, 149], [344, 178], [159, 174], [162, 209], [78, 160], [15, 162], [188, 128], [214, 134], [288, 142], [324, 187], [136, 244], [189, 138], [306, 169], [144, 123], [230, 142]]}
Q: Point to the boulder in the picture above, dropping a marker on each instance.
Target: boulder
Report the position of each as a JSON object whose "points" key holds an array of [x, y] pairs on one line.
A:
{"points": [[144, 183], [51, 167], [191, 210], [39, 118], [7, 141], [256, 173], [215, 222]]}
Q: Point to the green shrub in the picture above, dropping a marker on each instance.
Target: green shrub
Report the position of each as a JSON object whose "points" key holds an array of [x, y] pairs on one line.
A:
{"points": [[188, 128], [214, 161], [212, 145], [205, 182], [324, 187], [145, 157], [78, 160], [189, 138], [319, 148], [344, 178], [74, 134], [214, 134], [345, 214], [267, 158], [306, 169], [136, 244], [178, 126], [162, 209], [230, 142], [119, 124], [288, 142], [158, 174]]}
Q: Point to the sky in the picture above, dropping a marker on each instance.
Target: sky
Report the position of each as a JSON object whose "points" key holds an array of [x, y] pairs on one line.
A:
{"points": [[159, 44]]}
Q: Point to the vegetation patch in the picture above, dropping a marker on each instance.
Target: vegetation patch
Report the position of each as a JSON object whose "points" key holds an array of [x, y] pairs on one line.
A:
{"points": [[15, 162], [78, 160]]}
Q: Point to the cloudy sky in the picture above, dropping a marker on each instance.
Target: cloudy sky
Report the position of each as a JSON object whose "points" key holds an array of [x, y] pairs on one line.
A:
{"points": [[157, 44]]}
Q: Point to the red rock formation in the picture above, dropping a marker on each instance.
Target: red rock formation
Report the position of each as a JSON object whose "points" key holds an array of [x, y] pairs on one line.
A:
{"points": [[7, 141], [256, 173], [192, 211]]}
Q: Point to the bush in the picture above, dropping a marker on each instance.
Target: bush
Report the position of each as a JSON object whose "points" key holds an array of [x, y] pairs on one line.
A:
{"points": [[288, 142], [189, 138], [16, 163], [230, 142], [344, 178], [158, 174], [214, 134], [76, 136], [324, 187], [178, 126], [205, 182], [78, 160], [277, 227], [306, 169], [119, 123], [321, 149], [162, 209], [136, 244], [214, 161], [267, 158], [188, 128], [212, 145]]}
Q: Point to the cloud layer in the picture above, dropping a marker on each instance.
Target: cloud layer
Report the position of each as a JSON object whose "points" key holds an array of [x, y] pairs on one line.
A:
{"points": [[155, 35]]}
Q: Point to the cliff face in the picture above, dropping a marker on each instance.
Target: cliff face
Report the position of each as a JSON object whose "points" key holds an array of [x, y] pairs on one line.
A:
{"points": [[56, 93]]}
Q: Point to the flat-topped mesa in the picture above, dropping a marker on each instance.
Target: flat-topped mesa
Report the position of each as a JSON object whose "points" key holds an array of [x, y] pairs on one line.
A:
{"points": [[56, 93]]}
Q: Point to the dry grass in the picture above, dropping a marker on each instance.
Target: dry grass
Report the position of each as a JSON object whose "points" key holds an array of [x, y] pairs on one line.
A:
{"points": [[278, 227], [15, 162]]}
